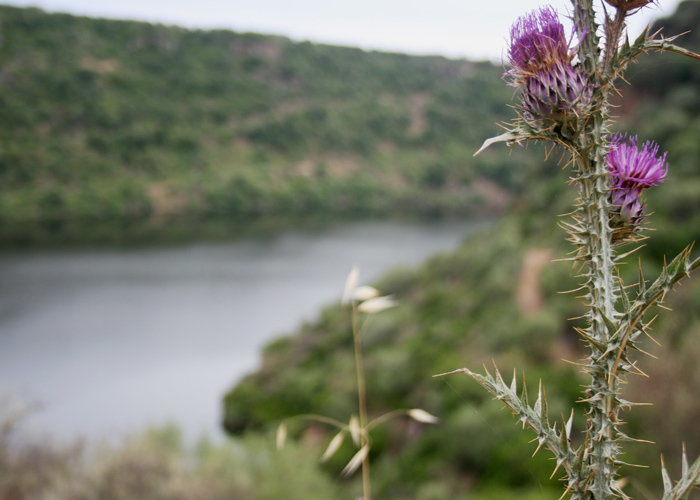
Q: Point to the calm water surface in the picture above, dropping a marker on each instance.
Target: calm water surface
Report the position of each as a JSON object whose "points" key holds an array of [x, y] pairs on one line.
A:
{"points": [[108, 341]]}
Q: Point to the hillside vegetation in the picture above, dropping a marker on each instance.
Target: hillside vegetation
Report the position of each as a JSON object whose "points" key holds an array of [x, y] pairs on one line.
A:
{"points": [[102, 119], [469, 307], [105, 119]]}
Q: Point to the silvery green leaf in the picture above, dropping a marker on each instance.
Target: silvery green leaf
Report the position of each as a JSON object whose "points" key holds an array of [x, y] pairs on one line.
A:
{"points": [[689, 480], [664, 45], [523, 395], [507, 137], [668, 485], [610, 324], [569, 424]]}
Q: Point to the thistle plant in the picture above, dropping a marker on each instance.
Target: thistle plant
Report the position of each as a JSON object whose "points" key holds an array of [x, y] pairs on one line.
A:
{"points": [[563, 86], [364, 301]]}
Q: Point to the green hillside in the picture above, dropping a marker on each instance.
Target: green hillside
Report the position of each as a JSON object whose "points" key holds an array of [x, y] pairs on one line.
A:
{"points": [[105, 119], [466, 308], [119, 120]]}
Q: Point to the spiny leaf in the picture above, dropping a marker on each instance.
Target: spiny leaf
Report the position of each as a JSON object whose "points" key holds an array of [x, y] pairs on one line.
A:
{"points": [[523, 399], [598, 345], [688, 481], [624, 296], [499, 377], [563, 444], [623, 256], [569, 424], [670, 275], [544, 416], [642, 36], [643, 43], [541, 405], [508, 137], [620, 463], [624, 437], [678, 264], [663, 45], [581, 456], [556, 468], [642, 283], [668, 486], [609, 324]]}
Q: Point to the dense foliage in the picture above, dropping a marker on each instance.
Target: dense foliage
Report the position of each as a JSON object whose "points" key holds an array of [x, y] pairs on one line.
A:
{"points": [[465, 308], [102, 119]]}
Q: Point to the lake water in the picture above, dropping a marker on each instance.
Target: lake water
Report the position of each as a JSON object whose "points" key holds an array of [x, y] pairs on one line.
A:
{"points": [[107, 341]]}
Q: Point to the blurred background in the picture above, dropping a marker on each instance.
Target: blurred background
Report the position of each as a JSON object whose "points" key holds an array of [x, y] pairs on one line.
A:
{"points": [[184, 189]]}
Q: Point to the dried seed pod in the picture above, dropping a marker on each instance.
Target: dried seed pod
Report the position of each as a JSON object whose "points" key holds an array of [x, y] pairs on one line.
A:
{"points": [[628, 5]]}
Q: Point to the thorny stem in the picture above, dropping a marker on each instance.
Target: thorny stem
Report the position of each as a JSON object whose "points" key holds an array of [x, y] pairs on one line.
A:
{"points": [[602, 296], [586, 27], [609, 332], [362, 402], [599, 255], [613, 33]]}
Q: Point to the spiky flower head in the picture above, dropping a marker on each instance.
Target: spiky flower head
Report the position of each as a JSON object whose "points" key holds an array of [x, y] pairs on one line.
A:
{"points": [[632, 170], [552, 93], [540, 57], [537, 43]]}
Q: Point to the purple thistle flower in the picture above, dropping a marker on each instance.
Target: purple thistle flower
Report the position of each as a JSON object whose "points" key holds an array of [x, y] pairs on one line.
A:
{"points": [[541, 67], [537, 42], [632, 171]]}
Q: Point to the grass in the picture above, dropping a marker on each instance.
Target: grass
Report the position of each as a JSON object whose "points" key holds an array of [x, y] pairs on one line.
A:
{"points": [[154, 464]]}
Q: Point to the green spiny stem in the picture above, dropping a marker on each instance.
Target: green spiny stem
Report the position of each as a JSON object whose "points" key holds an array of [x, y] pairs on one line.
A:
{"points": [[610, 333], [597, 250], [586, 30], [602, 296]]}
